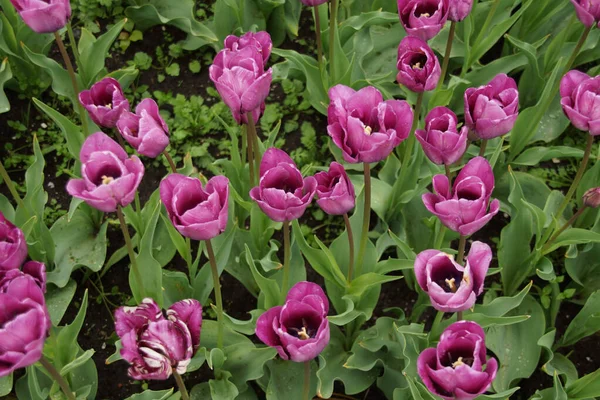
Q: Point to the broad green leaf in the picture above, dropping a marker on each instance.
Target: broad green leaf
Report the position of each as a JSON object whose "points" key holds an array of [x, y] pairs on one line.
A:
{"points": [[94, 56], [77, 362], [268, 287], [66, 341], [6, 384], [364, 282], [574, 236], [245, 362], [585, 387], [5, 76], [534, 155], [58, 300], [585, 323], [286, 380], [152, 395]]}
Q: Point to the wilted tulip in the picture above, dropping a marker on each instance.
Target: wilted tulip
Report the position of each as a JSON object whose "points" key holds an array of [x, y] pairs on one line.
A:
{"points": [[363, 126], [298, 330], [109, 177], [13, 247], [196, 212], [459, 9], [441, 140], [464, 209], [155, 346], [423, 18], [261, 41], [44, 16], [591, 198], [588, 11], [335, 191], [581, 100], [145, 130], [458, 369], [105, 102], [418, 67]]}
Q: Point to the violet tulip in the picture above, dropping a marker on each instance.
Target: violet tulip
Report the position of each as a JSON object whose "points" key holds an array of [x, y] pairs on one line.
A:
{"points": [[105, 102], [44, 16], [464, 208], [423, 18], [298, 330], [459, 9], [109, 177], [146, 131], [588, 12], [156, 346], [363, 126], [13, 247], [441, 140], [580, 100], [261, 41], [458, 368], [450, 286], [591, 198], [335, 191], [418, 67], [282, 193], [492, 110]]}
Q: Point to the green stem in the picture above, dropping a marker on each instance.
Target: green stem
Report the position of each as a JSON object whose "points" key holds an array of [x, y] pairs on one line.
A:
{"points": [[138, 211], [254, 144], [244, 143], [366, 219], [482, 148], [440, 237], [58, 378], [577, 49], [182, 390], [306, 390], [129, 244], [332, 28], [170, 161], [74, 48], [318, 33], [459, 315], [410, 142], [562, 229], [285, 281], [11, 187], [188, 259], [217, 285], [350, 246], [437, 321], [448, 174], [447, 55], [461, 249], [250, 150]]}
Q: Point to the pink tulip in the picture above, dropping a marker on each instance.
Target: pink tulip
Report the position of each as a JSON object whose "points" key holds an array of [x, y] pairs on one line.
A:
{"points": [[261, 41], [105, 102], [441, 140], [418, 67], [588, 11], [459, 9], [580, 100], [335, 190], [145, 130], [44, 16], [13, 247], [423, 18]]}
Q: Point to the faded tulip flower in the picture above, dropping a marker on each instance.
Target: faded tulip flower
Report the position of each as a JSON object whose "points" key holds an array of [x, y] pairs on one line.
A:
{"points": [[441, 140], [197, 212], [156, 346], [458, 369], [298, 330], [418, 67], [580, 100], [588, 12], [282, 193], [450, 286], [146, 131], [423, 18], [363, 126], [261, 41], [591, 198], [492, 110], [335, 191], [109, 178], [459, 9], [13, 247], [464, 209], [105, 102], [44, 16]]}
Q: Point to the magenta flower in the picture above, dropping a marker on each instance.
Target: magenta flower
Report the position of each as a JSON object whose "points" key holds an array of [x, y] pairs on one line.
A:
{"points": [[298, 330], [588, 11], [156, 346], [335, 191], [580, 100], [109, 177], [464, 209], [145, 130], [441, 140], [423, 18], [196, 212], [363, 126], [105, 102], [459, 9], [44, 16], [491, 110], [458, 369], [418, 67], [591, 198], [261, 41], [13, 247]]}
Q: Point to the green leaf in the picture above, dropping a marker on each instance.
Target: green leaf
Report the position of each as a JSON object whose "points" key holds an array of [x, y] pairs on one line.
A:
{"points": [[585, 323], [268, 287], [6, 384], [245, 362], [223, 389], [94, 56], [534, 155], [66, 341], [364, 282], [72, 132], [574, 236], [152, 395], [5, 76], [585, 387], [501, 305], [58, 300], [286, 380], [78, 362]]}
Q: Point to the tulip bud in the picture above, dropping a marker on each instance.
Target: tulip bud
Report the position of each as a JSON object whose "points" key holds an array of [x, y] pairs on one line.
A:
{"points": [[580, 100], [591, 198], [145, 130], [441, 141], [588, 11], [105, 102], [418, 67], [459, 9], [44, 16], [261, 41], [423, 18], [335, 190], [13, 247]]}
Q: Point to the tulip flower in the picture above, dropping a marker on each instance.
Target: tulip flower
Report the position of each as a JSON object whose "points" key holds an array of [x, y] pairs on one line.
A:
{"points": [[464, 209], [491, 110], [580, 100], [197, 212], [13, 247], [156, 346], [44, 16], [423, 18], [441, 140], [109, 178], [418, 67], [335, 191], [458, 369], [459, 9], [261, 41], [450, 286], [298, 330], [591, 198], [363, 126], [105, 102], [588, 12], [145, 130]]}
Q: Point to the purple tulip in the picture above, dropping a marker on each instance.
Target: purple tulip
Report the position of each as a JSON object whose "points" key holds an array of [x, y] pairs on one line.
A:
{"points": [[450, 286], [335, 190], [491, 110], [105, 102], [459, 9], [591, 198], [196, 212], [441, 141], [458, 369], [464, 209], [423, 18], [363, 126], [44, 16], [418, 67], [581, 100], [588, 11], [145, 130], [13, 247], [298, 330], [156, 346], [110, 178], [261, 41]]}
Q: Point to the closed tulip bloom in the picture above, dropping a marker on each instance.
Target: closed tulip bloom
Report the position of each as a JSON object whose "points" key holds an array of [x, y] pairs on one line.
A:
{"points": [[145, 130], [335, 191], [363, 126], [441, 140], [44, 16], [588, 11], [464, 208], [418, 67], [492, 110], [156, 346], [450, 286], [591, 198], [458, 368], [261, 41], [459, 9], [109, 177], [580, 100], [105, 102], [13, 247], [298, 330], [423, 18]]}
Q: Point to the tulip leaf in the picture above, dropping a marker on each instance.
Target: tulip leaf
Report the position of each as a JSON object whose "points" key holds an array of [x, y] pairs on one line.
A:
{"points": [[501, 305], [586, 387], [78, 362], [6, 384], [534, 155], [66, 339], [152, 395], [176, 287], [574, 236], [245, 363], [502, 395], [585, 323], [269, 289], [58, 300], [286, 380], [364, 282], [5, 76], [223, 388], [93, 56]]}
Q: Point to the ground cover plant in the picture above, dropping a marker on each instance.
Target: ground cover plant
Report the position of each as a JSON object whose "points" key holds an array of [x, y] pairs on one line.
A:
{"points": [[297, 199]]}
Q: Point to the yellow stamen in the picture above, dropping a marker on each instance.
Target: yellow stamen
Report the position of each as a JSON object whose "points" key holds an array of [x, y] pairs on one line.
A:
{"points": [[368, 130], [427, 15], [107, 179], [417, 66], [458, 362], [302, 334], [451, 284], [466, 279]]}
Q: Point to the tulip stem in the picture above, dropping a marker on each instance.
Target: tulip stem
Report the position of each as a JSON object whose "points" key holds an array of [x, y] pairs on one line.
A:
{"points": [[459, 315], [468, 62], [285, 280], [170, 161], [351, 246], [366, 220], [461, 249], [120, 139], [57, 377], [448, 174], [577, 49], [306, 391], [74, 46], [250, 149], [11, 187], [254, 144], [332, 28], [562, 229], [482, 148], [447, 55], [129, 244], [318, 34], [217, 286], [182, 390], [440, 237]]}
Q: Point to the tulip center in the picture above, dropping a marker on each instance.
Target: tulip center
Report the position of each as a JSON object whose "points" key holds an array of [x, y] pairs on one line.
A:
{"points": [[456, 361], [447, 276], [368, 130], [425, 10], [107, 174], [107, 179], [304, 331], [418, 62]]}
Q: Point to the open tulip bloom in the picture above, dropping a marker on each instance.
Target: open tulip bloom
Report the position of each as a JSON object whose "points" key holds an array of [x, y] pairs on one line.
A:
{"points": [[418, 67], [44, 16], [105, 102], [580, 100], [423, 18]]}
